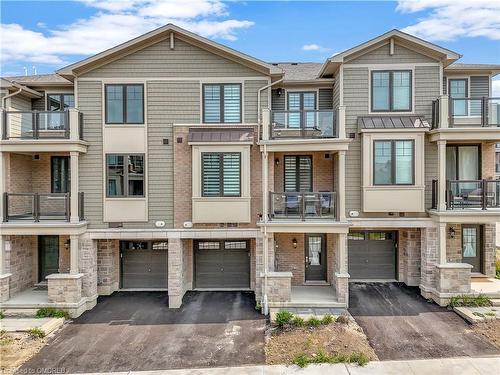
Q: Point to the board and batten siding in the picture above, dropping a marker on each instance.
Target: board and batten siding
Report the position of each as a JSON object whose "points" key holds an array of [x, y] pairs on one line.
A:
{"points": [[402, 55], [356, 86], [91, 171], [185, 60], [39, 104], [325, 100]]}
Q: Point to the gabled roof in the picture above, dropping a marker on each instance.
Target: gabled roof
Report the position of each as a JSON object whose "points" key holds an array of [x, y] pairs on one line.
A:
{"points": [[476, 68], [7, 83], [443, 54], [41, 80], [295, 71], [161, 34]]}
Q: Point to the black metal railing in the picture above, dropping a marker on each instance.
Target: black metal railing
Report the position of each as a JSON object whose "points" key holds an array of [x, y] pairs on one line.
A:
{"points": [[435, 114], [38, 125], [303, 124], [303, 205], [481, 112], [464, 194], [40, 206]]}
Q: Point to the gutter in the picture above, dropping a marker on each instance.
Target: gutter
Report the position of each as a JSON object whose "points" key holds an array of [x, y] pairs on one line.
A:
{"points": [[4, 99]]}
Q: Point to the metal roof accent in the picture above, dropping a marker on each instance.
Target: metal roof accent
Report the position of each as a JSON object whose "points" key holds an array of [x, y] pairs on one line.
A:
{"points": [[210, 135], [392, 122]]}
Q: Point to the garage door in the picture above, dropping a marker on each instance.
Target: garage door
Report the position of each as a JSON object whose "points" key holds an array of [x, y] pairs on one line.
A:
{"points": [[222, 264], [144, 265], [372, 255]]}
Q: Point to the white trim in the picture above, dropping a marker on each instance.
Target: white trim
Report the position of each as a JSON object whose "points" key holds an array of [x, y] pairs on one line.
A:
{"points": [[392, 68], [69, 90], [218, 125], [225, 80], [304, 90]]}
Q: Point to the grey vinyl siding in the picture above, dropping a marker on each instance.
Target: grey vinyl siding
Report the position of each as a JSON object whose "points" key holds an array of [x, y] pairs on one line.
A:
{"points": [[91, 163], [336, 92], [278, 101], [445, 85], [20, 103], [356, 84], [250, 99], [39, 104], [479, 86], [184, 60], [325, 100], [402, 55]]}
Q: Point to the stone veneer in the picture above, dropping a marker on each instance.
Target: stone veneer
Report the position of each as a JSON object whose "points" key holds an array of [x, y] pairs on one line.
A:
{"points": [[428, 259], [489, 250], [108, 266], [279, 286], [409, 256], [176, 271], [21, 262], [65, 288], [453, 278], [4, 287], [88, 267]]}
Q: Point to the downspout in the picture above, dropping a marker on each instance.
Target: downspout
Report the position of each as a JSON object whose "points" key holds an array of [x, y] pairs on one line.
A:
{"points": [[265, 307], [4, 99]]}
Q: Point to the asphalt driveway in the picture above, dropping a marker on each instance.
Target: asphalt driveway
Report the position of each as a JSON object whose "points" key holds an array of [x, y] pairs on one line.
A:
{"points": [[136, 331], [400, 324]]}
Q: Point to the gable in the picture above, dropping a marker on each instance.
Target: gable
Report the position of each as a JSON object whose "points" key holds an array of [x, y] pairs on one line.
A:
{"points": [[381, 55], [185, 60]]}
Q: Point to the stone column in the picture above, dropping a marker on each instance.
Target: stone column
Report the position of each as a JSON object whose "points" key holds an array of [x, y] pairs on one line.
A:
{"points": [[74, 187], [175, 271], [428, 259], [441, 198], [87, 263], [489, 249], [341, 277], [3, 184], [441, 259], [4, 269], [74, 256]]}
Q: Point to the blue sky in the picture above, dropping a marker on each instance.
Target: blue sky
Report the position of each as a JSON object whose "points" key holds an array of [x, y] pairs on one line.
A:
{"points": [[51, 34]]}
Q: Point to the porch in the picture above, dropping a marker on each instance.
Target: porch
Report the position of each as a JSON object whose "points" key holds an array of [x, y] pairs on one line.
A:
{"points": [[487, 286]]}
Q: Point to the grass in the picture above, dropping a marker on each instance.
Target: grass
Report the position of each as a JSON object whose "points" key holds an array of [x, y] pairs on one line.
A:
{"points": [[302, 360], [50, 312], [36, 333], [4, 338], [327, 319], [313, 322], [298, 321], [470, 301], [286, 318]]}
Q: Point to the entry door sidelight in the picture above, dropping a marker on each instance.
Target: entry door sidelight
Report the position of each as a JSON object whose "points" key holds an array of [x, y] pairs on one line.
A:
{"points": [[48, 256], [315, 257], [472, 246]]}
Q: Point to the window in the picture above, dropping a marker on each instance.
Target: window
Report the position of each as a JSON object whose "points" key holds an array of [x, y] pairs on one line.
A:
{"points": [[221, 174], [124, 104], [301, 101], [391, 91], [298, 173], [356, 236], [60, 102], [469, 241], [125, 175], [458, 90], [379, 236], [463, 162], [60, 177], [393, 162], [222, 103]]}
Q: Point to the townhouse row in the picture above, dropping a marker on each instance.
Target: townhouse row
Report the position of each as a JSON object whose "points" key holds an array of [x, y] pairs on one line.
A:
{"points": [[174, 163]]}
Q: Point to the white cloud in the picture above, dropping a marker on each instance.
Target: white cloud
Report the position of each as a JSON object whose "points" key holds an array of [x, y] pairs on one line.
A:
{"points": [[452, 19], [495, 88], [115, 22], [314, 47]]}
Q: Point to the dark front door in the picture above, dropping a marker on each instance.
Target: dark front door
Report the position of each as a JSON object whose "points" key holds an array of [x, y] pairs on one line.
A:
{"points": [[472, 246], [48, 256], [315, 257]]}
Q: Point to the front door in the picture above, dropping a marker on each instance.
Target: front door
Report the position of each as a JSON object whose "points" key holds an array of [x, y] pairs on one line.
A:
{"points": [[472, 246], [315, 257], [48, 256]]}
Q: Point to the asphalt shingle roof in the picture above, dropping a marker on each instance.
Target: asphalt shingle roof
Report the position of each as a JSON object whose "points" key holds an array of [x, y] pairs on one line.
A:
{"points": [[39, 79], [300, 71]]}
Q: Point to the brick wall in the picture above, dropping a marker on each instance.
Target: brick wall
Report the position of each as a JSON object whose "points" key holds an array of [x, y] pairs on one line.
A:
{"points": [[290, 259], [454, 245], [488, 160], [489, 250], [22, 262], [64, 254]]}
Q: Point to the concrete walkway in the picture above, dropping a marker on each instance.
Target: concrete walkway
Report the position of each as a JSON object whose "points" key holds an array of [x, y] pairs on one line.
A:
{"points": [[447, 366]]}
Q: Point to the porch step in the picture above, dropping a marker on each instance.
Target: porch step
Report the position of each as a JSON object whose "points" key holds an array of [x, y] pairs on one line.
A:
{"points": [[20, 313]]}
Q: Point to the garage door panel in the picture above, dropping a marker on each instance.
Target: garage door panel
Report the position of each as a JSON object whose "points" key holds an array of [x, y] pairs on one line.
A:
{"points": [[372, 259], [144, 268]]}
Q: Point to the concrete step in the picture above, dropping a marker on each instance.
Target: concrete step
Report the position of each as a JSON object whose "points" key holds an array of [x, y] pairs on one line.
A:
{"points": [[495, 302], [19, 313]]}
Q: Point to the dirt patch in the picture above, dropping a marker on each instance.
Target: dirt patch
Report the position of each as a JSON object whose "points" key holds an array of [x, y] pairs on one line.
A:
{"points": [[16, 348], [336, 338], [489, 330]]}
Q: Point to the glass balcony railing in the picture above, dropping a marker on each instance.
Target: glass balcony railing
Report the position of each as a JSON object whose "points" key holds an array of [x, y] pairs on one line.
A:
{"points": [[303, 124], [303, 205]]}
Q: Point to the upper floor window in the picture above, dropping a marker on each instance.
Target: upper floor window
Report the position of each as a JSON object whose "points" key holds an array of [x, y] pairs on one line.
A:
{"points": [[298, 173], [124, 104], [60, 102], [458, 90], [60, 174], [393, 162], [221, 174], [391, 91], [222, 103], [125, 175]]}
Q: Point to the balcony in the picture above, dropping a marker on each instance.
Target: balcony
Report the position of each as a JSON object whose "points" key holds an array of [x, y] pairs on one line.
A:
{"points": [[23, 129], [469, 194], [36, 207], [303, 206], [304, 130]]}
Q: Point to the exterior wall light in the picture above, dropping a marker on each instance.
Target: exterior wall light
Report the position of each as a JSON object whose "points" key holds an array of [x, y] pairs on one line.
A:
{"points": [[294, 243], [451, 232]]}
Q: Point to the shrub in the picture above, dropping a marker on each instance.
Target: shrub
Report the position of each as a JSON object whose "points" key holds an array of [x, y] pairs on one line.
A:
{"points": [[258, 306], [298, 321], [327, 319], [36, 333], [359, 358], [2, 315], [343, 319], [470, 301], [284, 318], [302, 360], [313, 322], [497, 265], [50, 312]]}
